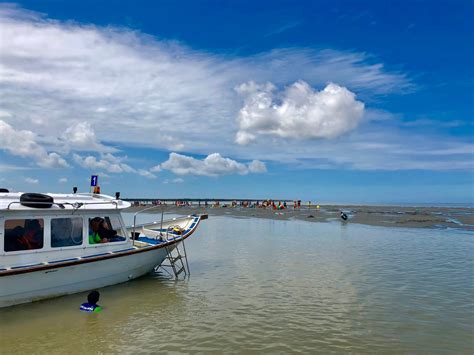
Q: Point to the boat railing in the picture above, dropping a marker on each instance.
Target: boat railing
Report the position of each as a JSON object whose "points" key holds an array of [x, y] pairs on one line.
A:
{"points": [[144, 210], [62, 205]]}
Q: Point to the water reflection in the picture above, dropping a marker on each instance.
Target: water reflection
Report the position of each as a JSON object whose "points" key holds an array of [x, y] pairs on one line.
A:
{"points": [[276, 286]]}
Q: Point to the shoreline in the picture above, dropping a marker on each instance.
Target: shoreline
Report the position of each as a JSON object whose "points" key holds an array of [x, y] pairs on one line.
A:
{"points": [[461, 218]]}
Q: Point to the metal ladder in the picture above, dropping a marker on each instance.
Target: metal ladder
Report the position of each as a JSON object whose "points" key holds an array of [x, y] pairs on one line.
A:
{"points": [[174, 259]]}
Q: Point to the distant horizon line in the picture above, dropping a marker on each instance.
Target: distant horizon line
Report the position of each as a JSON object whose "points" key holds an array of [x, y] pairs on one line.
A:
{"points": [[305, 202]]}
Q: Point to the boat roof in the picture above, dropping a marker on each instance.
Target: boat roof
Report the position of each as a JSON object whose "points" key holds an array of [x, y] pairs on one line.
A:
{"points": [[10, 201]]}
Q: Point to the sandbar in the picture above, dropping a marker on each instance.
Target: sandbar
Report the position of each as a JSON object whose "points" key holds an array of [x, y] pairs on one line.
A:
{"points": [[386, 216]]}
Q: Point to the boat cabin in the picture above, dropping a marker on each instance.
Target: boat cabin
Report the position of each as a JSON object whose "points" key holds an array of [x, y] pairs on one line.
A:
{"points": [[55, 227]]}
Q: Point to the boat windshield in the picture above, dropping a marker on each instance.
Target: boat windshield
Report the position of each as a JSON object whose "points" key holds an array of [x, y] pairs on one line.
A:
{"points": [[106, 229]]}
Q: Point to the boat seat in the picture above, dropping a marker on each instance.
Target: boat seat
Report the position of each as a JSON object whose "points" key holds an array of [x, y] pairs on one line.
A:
{"points": [[152, 234]]}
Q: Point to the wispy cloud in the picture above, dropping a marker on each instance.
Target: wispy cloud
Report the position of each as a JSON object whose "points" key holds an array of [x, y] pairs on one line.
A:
{"points": [[30, 180], [173, 181], [426, 122], [146, 173], [11, 167], [283, 28], [372, 149], [213, 165], [67, 88], [127, 85]]}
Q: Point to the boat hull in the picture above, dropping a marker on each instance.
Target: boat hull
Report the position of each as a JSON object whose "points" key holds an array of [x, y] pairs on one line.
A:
{"points": [[41, 284]]}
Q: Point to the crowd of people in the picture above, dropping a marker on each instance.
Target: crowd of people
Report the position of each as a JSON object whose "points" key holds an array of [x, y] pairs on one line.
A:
{"points": [[269, 203], [275, 205]]}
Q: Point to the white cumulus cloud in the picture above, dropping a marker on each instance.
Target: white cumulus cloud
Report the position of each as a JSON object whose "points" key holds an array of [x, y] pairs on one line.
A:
{"points": [[107, 162], [81, 136], [146, 173], [110, 163], [213, 165], [257, 167], [298, 112], [156, 169], [23, 143]]}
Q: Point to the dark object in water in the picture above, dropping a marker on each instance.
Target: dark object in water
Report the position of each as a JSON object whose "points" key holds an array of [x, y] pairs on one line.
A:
{"points": [[36, 200], [4, 190], [310, 216], [343, 216]]}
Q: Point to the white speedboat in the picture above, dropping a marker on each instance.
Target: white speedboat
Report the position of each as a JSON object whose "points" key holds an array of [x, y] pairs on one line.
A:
{"points": [[57, 244]]}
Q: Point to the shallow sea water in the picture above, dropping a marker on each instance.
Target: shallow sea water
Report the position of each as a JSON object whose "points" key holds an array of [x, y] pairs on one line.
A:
{"points": [[265, 286]]}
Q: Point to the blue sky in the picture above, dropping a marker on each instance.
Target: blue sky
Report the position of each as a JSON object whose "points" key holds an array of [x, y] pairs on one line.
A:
{"points": [[331, 101]]}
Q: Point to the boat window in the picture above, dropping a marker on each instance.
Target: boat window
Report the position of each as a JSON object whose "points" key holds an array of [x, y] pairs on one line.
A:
{"points": [[116, 225], [66, 232], [105, 229], [24, 234]]}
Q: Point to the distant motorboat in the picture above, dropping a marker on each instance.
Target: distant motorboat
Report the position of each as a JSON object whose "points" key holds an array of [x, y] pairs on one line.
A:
{"points": [[58, 244]]}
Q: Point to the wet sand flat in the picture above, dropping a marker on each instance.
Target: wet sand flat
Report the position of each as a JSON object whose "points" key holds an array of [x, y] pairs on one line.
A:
{"points": [[386, 216]]}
